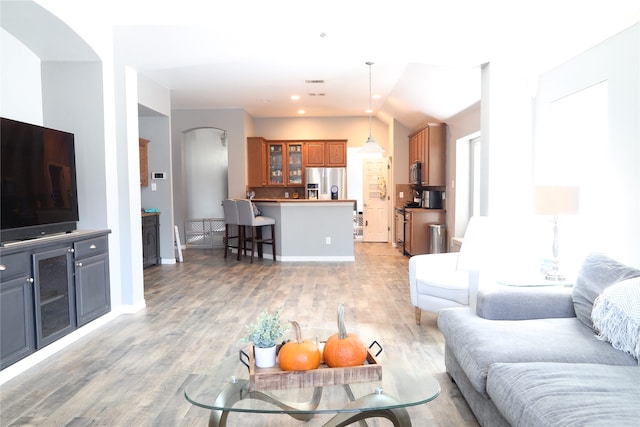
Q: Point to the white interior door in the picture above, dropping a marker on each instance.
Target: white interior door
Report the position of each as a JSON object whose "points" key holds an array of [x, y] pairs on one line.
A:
{"points": [[375, 215]]}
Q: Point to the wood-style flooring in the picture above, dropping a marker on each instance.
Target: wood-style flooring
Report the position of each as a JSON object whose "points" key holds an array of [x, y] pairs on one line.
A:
{"points": [[133, 370]]}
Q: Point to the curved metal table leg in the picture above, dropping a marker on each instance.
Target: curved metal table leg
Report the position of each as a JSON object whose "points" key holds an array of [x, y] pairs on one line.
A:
{"points": [[239, 390], [398, 416]]}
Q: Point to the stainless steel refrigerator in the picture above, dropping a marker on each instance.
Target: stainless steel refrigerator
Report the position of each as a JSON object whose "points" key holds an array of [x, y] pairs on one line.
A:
{"points": [[326, 183]]}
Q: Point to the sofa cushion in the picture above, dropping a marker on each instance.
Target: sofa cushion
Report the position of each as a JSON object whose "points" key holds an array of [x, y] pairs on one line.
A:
{"points": [[477, 343], [561, 394], [597, 273], [616, 316]]}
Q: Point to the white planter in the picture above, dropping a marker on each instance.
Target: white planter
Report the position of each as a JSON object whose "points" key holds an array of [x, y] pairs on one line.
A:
{"points": [[265, 357]]}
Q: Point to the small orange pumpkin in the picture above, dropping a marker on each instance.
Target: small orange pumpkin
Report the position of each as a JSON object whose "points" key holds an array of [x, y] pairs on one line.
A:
{"points": [[299, 355], [343, 349]]}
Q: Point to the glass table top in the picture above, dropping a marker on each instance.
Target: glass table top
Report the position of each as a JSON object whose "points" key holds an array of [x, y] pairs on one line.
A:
{"points": [[227, 387]]}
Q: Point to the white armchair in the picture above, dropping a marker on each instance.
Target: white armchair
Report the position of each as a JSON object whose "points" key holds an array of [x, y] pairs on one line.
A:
{"points": [[446, 280]]}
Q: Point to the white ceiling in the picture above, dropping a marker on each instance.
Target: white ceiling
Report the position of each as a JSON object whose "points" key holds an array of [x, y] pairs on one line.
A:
{"points": [[427, 54]]}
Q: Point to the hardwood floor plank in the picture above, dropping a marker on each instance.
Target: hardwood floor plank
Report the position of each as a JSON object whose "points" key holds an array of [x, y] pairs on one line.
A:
{"points": [[133, 370]]}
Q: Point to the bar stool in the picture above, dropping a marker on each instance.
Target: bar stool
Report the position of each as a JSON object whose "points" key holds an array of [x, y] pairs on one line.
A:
{"points": [[231, 218], [248, 219]]}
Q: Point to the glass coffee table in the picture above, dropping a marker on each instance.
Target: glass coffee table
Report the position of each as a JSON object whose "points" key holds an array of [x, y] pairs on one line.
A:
{"points": [[227, 388]]}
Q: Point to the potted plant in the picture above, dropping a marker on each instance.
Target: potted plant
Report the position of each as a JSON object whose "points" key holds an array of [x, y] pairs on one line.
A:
{"points": [[264, 334]]}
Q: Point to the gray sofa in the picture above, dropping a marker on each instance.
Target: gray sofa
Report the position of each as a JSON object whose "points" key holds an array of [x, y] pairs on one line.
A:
{"points": [[531, 357]]}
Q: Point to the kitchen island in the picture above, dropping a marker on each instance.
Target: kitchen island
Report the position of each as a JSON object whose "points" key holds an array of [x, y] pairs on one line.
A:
{"points": [[311, 230]]}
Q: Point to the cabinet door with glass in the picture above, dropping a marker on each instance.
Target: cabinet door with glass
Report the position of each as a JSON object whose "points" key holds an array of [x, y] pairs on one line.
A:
{"points": [[54, 296], [295, 170], [276, 163]]}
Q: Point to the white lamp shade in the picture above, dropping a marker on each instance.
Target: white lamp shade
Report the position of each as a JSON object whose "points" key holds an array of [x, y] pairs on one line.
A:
{"points": [[371, 147], [556, 200]]}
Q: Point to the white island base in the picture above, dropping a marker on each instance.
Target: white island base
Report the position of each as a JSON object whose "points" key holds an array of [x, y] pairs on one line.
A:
{"points": [[310, 230]]}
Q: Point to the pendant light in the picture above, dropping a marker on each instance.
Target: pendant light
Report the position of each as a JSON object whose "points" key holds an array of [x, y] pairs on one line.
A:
{"points": [[370, 147]]}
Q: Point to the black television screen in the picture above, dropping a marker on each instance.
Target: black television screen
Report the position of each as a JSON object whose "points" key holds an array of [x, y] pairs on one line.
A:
{"points": [[38, 181]]}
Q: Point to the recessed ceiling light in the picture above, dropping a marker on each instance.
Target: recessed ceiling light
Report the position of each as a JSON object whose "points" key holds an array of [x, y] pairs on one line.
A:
{"points": [[295, 97], [376, 97], [301, 111], [368, 111]]}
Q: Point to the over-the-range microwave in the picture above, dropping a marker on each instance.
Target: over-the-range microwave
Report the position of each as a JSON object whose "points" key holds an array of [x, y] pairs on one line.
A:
{"points": [[415, 173]]}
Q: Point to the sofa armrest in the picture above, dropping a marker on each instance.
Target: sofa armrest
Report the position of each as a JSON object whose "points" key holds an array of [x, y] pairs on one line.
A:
{"points": [[520, 303]]}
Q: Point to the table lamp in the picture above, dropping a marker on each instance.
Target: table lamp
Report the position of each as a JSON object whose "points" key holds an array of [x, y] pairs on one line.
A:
{"points": [[556, 201]]}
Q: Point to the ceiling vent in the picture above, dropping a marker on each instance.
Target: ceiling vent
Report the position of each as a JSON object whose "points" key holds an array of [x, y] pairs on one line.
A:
{"points": [[314, 81]]}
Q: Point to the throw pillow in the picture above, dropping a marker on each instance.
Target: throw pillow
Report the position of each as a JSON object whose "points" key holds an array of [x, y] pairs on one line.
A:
{"points": [[616, 316], [597, 273]]}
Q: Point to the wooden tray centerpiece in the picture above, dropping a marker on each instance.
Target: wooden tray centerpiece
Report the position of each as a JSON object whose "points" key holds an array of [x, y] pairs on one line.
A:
{"points": [[276, 379]]}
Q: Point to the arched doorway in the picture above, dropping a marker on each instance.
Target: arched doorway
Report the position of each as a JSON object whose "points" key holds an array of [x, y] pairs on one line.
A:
{"points": [[206, 167]]}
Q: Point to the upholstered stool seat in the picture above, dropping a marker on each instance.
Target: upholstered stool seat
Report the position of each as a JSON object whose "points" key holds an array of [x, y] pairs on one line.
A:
{"points": [[231, 219], [255, 224]]}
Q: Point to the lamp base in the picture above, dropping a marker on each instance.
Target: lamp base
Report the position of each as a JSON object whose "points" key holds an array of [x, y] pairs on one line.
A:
{"points": [[554, 276]]}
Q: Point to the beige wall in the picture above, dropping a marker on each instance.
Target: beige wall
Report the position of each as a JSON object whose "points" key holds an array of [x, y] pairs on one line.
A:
{"points": [[354, 129]]}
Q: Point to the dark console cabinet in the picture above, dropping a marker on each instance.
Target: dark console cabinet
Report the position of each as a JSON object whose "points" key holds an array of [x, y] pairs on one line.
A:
{"points": [[17, 330], [93, 295], [55, 314], [48, 288], [150, 239]]}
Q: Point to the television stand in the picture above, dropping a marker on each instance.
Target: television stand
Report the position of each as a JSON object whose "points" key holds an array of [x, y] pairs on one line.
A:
{"points": [[49, 287]]}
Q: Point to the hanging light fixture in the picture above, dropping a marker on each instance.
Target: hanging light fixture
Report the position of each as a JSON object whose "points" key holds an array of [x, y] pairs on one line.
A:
{"points": [[370, 147]]}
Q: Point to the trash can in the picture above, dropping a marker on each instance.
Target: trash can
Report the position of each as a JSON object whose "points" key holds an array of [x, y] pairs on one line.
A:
{"points": [[437, 238]]}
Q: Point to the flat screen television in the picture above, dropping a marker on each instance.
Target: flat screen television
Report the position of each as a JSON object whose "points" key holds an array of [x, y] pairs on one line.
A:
{"points": [[38, 181]]}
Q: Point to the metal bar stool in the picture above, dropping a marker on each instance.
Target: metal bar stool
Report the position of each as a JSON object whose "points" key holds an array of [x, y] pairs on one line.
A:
{"points": [[231, 218], [248, 219]]}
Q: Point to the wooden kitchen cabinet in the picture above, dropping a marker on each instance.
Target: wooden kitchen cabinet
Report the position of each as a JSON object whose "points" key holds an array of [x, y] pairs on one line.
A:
{"points": [[332, 153], [256, 162], [428, 146], [314, 154], [416, 239], [276, 163], [336, 154], [295, 161], [283, 163]]}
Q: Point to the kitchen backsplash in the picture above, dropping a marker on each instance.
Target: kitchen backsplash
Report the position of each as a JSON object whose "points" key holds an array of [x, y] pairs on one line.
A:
{"points": [[276, 192]]}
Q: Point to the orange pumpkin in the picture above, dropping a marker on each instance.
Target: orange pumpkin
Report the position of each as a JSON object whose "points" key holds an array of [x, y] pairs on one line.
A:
{"points": [[299, 355], [343, 349]]}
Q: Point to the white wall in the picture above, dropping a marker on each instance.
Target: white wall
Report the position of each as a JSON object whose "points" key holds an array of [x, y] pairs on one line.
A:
{"points": [[614, 226], [20, 81], [156, 127], [460, 126], [157, 130]]}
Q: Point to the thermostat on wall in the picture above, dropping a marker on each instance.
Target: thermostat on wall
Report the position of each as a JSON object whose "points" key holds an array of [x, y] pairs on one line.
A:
{"points": [[158, 175]]}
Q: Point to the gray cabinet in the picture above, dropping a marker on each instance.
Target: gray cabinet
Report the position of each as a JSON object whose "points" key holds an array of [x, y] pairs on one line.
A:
{"points": [[54, 298], [91, 265], [150, 239], [17, 331], [48, 288]]}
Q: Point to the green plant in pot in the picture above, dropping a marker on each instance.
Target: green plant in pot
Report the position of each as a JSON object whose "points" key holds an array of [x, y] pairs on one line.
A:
{"points": [[264, 333]]}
